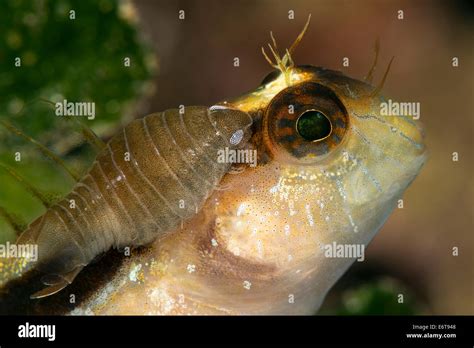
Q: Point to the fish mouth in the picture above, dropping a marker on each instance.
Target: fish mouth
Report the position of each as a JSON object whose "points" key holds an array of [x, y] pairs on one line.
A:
{"points": [[422, 155], [419, 155], [419, 162], [413, 169]]}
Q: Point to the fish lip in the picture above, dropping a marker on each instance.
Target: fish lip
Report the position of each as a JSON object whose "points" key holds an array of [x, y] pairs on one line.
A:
{"points": [[416, 166], [423, 157], [424, 153]]}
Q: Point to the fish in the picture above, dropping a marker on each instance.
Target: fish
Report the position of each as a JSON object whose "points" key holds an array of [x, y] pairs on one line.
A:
{"points": [[267, 237]]}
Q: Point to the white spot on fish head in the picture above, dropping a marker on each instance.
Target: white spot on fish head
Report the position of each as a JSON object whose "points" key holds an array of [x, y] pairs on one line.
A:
{"points": [[133, 275]]}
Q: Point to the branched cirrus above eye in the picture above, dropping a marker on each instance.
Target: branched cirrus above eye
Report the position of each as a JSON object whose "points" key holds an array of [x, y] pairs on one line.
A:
{"points": [[304, 122]]}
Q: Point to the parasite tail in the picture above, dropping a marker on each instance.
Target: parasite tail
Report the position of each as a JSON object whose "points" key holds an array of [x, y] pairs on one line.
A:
{"points": [[58, 254]]}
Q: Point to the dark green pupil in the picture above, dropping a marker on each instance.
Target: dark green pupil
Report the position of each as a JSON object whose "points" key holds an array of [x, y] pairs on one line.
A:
{"points": [[313, 125]]}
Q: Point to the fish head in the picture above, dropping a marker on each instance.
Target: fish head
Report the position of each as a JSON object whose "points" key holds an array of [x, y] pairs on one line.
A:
{"points": [[331, 168]]}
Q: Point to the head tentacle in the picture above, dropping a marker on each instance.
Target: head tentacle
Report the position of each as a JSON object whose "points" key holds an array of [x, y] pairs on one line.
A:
{"points": [[284, 63]]}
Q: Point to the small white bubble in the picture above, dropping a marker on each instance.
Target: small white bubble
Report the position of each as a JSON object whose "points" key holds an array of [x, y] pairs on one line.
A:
{"points": [[287, 230], [133, 276], [247, 284], [241, 209]]}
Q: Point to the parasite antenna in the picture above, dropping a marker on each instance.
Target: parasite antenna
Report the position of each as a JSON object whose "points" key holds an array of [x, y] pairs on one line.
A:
{"points": [[30, 188], [15, 222], [87, 132], [41, 147]]}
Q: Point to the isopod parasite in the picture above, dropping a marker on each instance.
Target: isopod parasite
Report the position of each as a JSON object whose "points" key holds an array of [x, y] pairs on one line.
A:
{"points": [[317, 166], [117, 202]]}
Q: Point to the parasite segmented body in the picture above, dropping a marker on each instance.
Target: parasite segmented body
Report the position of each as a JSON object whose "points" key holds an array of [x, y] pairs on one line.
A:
{"points": [[154, 174]]}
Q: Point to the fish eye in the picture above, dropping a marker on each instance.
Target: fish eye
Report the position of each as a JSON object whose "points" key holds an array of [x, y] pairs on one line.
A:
{"points": [[313, 125], [304, 123]]}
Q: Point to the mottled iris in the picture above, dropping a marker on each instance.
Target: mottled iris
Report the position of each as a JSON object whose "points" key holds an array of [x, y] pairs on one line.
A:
{"points": [[313, 125]]}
